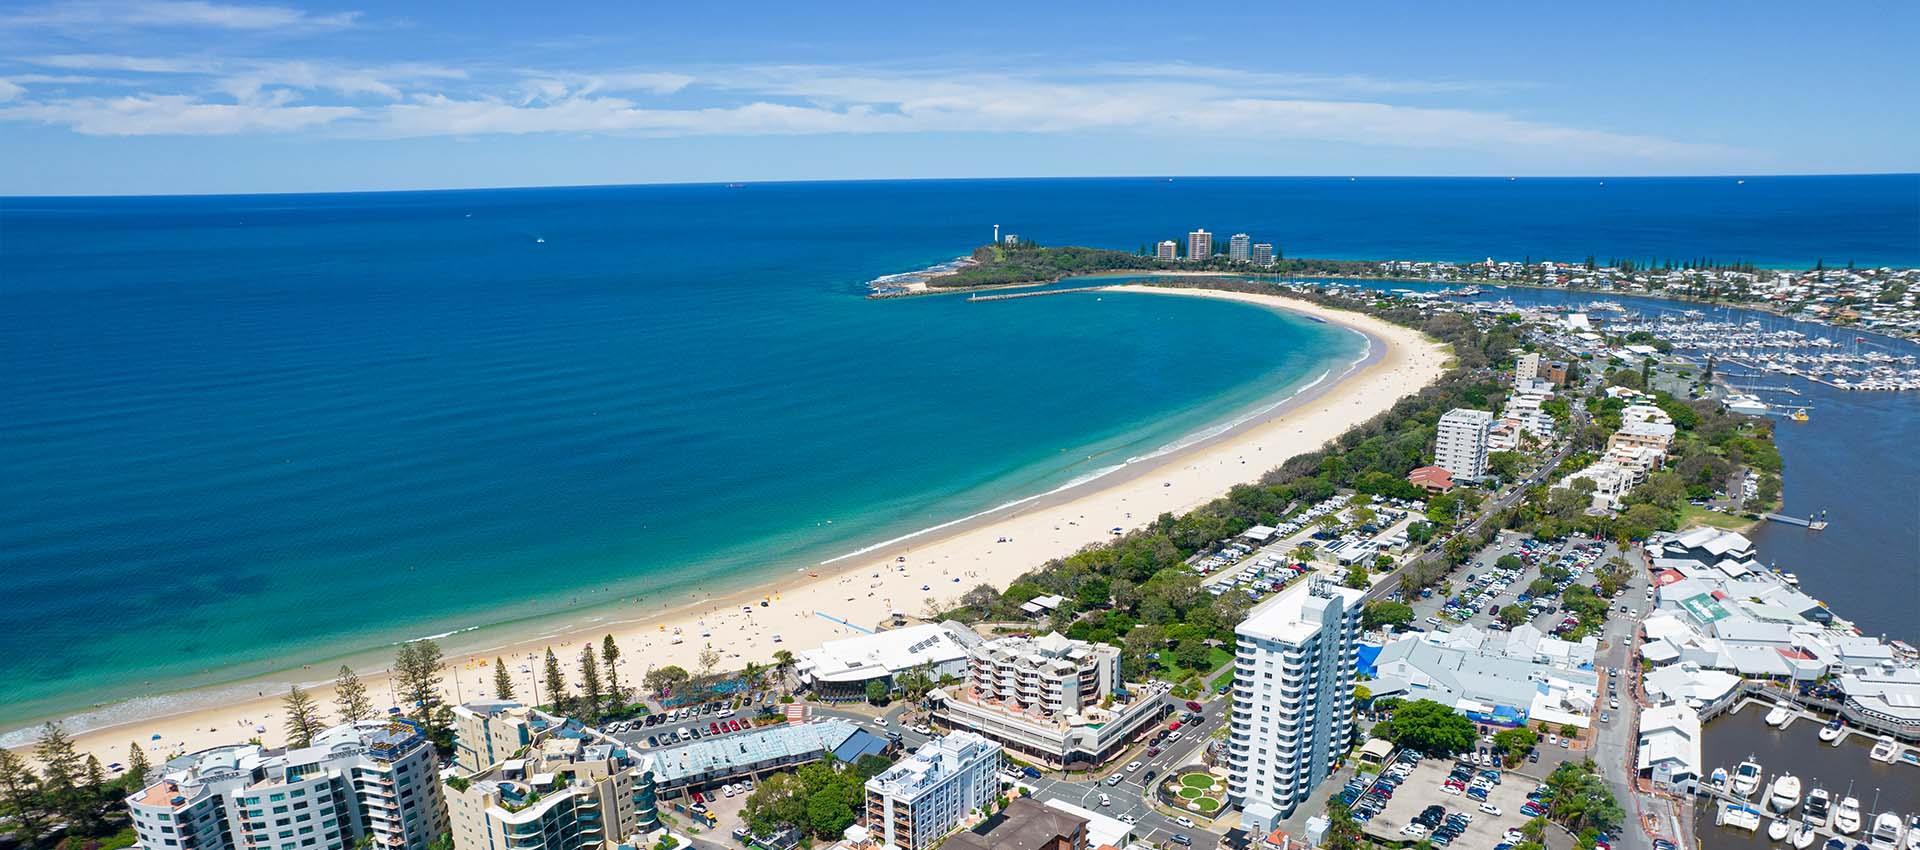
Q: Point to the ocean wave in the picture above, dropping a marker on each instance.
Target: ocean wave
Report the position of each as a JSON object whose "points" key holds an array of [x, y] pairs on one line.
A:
{"points": [[899, 280]]}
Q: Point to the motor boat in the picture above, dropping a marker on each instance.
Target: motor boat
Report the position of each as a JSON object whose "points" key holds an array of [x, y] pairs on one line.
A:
{"points": [[1779, 716], [1786, 793], [1885, 750], [1832, 732], [1719, 778], [1819, 805], [1803, 836], [1913, 833], [1777, 830], [1846, 818], [1886, 831], [1746, 778]]}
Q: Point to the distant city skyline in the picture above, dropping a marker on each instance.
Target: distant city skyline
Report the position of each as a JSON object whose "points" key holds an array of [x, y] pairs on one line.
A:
{"points": [[198, 96]]}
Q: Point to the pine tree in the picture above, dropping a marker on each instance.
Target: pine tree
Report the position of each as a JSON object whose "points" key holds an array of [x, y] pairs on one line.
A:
{"points": [[417, 675], [502, 680], [137, 766], [350, 696], [589, 682], [303, 717], [20, 797], [60, 767], [610, 665], [556, 683], [93, 794]]}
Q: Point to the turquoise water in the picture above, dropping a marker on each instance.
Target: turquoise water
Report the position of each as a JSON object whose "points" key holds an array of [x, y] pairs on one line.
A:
{"points": [[243, 434], [260, 437]]}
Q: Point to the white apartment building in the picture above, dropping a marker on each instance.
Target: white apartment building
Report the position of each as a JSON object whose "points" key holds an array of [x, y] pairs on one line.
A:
{"points": [[1460, 445], [1293, 699], [1263, 253], [1167, 250], [1046, 699], [1527, 365], [1240, 247], [1199, 245], [568, 787], [372, 779], [923, 797]]}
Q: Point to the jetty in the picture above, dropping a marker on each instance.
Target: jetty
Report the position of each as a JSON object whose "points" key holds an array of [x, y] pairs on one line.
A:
{"points": [[1809, 522], [1008, 296]]}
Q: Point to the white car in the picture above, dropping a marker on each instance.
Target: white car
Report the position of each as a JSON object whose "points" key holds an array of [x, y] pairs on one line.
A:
{"points": [[1185, 821], [1414, 830], [1106, 800], [1129, 820], [1491, 809], [1132, 766], [880, 722]]}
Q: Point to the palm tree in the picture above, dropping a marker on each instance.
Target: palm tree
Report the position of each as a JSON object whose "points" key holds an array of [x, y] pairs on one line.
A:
{"points": [[783, 663]]}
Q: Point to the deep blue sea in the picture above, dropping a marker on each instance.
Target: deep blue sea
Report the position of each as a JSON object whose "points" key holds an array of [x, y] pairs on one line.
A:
{"points": [[243, 434]]}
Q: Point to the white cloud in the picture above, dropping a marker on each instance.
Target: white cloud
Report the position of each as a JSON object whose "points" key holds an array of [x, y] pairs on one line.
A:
{"points": [[149, 115], [10, 90], [1168, 100], [136, 64], [134, 14]]}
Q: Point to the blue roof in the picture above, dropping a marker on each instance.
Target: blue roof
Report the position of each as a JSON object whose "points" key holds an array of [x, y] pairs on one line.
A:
{"points": [[1365, 655], [860, 743]]}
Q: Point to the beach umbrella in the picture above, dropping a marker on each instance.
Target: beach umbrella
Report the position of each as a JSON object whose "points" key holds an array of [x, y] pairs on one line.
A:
{"points": [[156, 737]]}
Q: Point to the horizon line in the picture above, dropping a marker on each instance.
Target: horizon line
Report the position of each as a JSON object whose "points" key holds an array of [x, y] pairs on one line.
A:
{"points": [[859, 180]]}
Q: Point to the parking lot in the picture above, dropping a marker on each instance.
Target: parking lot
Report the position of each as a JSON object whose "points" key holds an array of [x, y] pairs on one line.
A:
{"points": [[1423, 787]]}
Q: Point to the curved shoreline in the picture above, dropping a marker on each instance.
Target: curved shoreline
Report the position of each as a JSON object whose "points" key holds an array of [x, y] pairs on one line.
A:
{"points": [[941, 562]]}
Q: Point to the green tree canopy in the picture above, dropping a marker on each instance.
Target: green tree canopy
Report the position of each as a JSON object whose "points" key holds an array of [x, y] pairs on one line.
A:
{"points": [[1430, 728]]}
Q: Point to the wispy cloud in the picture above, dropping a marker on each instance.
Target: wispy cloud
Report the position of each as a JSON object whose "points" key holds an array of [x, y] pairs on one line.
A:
{"points": [[1173, 100], [133, 14]]}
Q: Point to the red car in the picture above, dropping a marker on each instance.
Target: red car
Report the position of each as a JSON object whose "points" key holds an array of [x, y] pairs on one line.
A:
{"points": [[1193, 706], [1174, 726], [713, 728], [739, 725]]}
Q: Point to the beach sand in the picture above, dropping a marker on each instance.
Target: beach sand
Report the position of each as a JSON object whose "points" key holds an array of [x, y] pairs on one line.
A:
{"points": [[940, 565]]}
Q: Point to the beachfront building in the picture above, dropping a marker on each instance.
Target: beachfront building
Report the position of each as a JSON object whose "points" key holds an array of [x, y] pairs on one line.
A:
{"points": [[569, 787], [1050, 699], [1240, 248], [1167, 250], [924, 797], [487, 732], [840, 669], [370, 780], [1263, 253], [1460, 446], [1293, 682], [1199, 245]]}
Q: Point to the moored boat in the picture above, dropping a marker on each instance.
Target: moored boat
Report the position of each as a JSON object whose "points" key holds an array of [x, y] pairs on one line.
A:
{"points": [[1777, 830], [1746, 778], [1786, 793], [1913, 833], [1819, 805], [1886, 830], [1803, 836], [1846, 818], [1779, 716], [1885, 750], [1832, 731]]}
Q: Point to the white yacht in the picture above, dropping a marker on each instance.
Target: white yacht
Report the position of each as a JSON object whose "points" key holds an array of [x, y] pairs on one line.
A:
{"points": [[1779, 716], [1819, 805], [1777, 830], [1886, 750], [1885, 831], [1803, 836], [1913, 833], [1786, 793], [1846, 818], [1746, 779], [1831, 732]]}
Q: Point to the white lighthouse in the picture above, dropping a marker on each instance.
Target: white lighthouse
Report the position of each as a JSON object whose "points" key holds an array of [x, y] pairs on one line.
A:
{"points": [[996, 234]]}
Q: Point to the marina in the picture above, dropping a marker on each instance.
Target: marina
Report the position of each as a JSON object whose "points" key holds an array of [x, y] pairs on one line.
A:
{"points": [[1843, 792]]}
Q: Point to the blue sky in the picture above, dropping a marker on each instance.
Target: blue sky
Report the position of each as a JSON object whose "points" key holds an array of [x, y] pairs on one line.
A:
{"points": [[164, 96]]}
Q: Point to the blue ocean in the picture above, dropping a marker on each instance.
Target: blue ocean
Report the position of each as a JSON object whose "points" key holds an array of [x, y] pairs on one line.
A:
{"points": [[244, 434]]}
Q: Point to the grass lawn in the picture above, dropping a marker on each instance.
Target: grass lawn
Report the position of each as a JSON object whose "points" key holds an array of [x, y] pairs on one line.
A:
{"points": [[1208, 804], [1696, 515], [1190, 793], [1196, 780]]}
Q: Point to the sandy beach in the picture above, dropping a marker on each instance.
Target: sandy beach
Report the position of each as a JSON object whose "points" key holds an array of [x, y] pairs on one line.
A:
{"points": [[812, 605]]}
